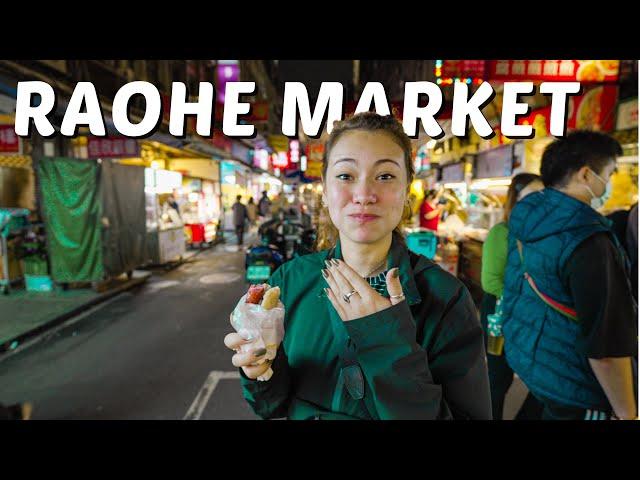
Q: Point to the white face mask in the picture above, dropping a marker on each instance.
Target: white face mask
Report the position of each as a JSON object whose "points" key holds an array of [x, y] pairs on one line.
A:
{"points": [[597, 202]]}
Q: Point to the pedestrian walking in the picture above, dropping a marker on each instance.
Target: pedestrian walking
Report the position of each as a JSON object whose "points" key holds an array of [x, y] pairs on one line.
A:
{"points": [[240, 216], [570, 320], [494, 262], [264, 205], [252, 212], [372, 330]]}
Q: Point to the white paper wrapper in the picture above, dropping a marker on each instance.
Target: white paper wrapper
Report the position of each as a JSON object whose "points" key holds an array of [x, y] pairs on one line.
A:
{"points": [[264, 327]]}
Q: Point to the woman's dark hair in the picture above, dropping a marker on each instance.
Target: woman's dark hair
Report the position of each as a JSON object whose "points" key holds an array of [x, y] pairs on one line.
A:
{"points": [[369, 122], [518, 183], [430, 194], [567, 155]]}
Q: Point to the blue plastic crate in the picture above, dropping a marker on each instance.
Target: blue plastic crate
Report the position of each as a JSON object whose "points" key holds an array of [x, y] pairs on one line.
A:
{"points": [[424, 243], [38, 283]]}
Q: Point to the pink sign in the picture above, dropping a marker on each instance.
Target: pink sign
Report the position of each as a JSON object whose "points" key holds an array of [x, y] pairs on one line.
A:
{"points": [[112, 147]]}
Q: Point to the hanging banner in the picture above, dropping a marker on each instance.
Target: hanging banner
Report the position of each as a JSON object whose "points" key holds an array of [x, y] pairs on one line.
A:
{"points": [[584, 71], [462, 69], [112, 147]]}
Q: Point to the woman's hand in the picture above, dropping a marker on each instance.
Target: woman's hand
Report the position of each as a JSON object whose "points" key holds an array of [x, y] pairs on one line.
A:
{"points": [[246, 360], [343, 280]]}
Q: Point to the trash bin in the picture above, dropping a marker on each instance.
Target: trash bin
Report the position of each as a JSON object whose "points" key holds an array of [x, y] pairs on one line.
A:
{"points": [[423, 242]]}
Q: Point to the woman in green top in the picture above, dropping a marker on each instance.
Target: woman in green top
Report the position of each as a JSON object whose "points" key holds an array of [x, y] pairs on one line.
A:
{"points": [[494, 262], [372, 331]]}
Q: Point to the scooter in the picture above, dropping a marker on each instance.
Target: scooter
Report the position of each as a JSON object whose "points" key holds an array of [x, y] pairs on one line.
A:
{"points": [[262, 260]]}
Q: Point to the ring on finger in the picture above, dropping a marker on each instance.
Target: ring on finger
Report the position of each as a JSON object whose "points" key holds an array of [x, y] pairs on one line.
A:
{"points": [[347, 296]]}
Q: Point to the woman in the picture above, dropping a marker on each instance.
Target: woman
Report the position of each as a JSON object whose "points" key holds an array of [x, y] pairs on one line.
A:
{"points": [[431, 210], [371, 331], [494, 261], [570, 320]]}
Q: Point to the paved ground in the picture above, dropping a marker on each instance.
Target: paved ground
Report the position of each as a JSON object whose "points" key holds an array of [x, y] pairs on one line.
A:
{"points": [[155, 352]]}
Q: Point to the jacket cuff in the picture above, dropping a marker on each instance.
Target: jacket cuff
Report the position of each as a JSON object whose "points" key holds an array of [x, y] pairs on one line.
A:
{"points": [[390, 326]]}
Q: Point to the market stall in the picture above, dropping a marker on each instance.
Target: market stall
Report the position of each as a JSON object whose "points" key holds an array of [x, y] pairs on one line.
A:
{"points": [[94, 217], [201, 211], [165, 227]]}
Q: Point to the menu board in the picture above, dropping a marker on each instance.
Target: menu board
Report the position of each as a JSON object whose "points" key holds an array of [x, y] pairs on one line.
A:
{"points": [[452, 173], [497, 162]]}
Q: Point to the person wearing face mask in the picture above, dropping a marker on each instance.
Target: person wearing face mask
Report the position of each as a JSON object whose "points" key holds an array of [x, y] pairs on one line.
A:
{"points": [[371, 330], [570, 320]]}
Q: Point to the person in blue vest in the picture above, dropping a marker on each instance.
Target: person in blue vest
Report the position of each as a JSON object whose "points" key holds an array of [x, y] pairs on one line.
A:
{"points": [[570, 320]]}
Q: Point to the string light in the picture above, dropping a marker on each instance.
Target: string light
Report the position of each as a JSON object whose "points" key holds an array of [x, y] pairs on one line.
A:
{"points": [[440, 80]]}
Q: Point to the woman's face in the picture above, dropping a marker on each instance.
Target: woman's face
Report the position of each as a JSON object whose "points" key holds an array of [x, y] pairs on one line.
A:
{"points": [[365, 185]]}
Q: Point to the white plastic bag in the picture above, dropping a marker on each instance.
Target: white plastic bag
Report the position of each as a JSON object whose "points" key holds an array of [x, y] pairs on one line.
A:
{"points": [[264, 327]]}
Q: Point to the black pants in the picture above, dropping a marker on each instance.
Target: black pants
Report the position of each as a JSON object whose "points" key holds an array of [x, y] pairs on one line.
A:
{"points": [[555, 411], [240, 233], [501, 374]]}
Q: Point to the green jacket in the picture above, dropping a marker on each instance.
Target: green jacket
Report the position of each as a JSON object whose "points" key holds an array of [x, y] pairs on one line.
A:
{"points": [[423, 358], [494, 259]]}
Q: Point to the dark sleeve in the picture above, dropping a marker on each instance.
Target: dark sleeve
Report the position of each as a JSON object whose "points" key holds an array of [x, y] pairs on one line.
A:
{"points": [[602, 296], [458, 359], [399, 373], [270, 399]]}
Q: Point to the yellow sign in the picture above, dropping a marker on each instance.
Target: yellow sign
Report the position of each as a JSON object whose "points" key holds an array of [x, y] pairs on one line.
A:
{"points": [[280, 143], [314, 169]]}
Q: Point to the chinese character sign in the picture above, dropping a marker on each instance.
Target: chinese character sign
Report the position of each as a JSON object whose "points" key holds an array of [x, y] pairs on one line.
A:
{"points": [[9, 141], [586, 71], [112, 147]]}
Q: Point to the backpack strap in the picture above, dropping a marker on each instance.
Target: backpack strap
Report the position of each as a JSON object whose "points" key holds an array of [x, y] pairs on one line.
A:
{"points": [[557, 306]]}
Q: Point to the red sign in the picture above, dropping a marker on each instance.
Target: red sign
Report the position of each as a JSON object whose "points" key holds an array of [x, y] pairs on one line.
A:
{"points": [[221, 141], [586, 71], [9, 141], [112, 147], [462, 69], [258, 113], [594, 110]]}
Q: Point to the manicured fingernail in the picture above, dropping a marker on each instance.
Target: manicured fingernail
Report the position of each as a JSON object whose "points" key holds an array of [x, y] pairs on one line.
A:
{"points": [[327, 263], [325, 274], [395, 272], [259, 352], [326, 291], [335, 262]]}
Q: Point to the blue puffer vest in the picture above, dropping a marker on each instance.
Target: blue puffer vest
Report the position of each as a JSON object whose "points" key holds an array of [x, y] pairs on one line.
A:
{"points": [[540, 342]]}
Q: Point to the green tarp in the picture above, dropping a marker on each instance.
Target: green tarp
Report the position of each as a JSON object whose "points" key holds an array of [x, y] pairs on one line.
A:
{"points": [[70, 196], [123, 205]]}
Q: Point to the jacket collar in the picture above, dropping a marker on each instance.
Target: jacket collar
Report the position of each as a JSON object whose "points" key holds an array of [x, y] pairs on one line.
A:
{"points": [[398, 257]]}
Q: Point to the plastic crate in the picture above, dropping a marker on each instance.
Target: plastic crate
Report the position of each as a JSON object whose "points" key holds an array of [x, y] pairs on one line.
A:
{"points": [[423, 243], [38, 283]]}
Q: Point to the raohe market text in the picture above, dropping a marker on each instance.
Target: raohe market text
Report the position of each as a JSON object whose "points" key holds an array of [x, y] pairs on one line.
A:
{"points": [[297, 111]]}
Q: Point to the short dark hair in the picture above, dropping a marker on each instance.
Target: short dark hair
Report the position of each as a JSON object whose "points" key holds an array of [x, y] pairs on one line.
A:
{"points": [[238, 197], [567, 155]]}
